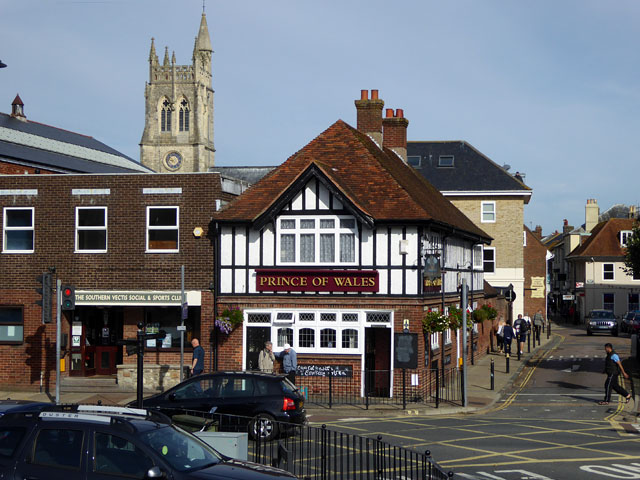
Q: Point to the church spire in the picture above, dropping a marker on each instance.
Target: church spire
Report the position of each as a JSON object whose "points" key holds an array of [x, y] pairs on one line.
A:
{"points": [[153, 57], [203, 41], [165, 62]]}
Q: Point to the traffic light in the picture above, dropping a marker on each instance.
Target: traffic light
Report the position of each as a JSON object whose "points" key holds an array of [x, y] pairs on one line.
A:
{"points": [[68, 297], [45, 296]]}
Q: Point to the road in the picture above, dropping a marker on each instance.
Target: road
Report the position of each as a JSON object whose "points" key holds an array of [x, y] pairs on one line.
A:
{"points": [[547, 425]]}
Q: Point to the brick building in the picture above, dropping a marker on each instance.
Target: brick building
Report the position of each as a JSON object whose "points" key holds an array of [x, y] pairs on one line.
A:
{"points": [[329, 253], [121, 241], [536, 256]]}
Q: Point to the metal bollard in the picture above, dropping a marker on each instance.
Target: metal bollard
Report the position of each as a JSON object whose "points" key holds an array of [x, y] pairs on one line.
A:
{"points": [[548, 330], [330, 390], [437, 387], [529, 343], [518, 347], [492, 375], [507, 357]]}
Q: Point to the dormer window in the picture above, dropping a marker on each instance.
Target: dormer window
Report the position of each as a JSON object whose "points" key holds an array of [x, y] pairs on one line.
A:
{"points": [[317, 240], [625, 237], [414, 160], [445, 161]]}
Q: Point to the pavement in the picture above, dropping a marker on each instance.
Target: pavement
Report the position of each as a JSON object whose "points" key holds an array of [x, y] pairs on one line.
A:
{"points": [[479, 393]]}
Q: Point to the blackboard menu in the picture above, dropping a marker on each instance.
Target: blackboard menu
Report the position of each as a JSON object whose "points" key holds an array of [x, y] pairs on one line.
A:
{"points": [[325, 371], [406, 350]]}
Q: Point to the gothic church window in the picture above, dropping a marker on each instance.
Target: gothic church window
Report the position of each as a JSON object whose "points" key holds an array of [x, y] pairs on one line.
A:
{"points": [[184, 116], [165, 117]]}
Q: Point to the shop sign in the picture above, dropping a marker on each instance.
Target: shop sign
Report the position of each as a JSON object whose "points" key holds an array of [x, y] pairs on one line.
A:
{"points": [[324, 371], [99, 297], [276, 280], [537, 287], [579, 284], [568, 297], [432, 285]]}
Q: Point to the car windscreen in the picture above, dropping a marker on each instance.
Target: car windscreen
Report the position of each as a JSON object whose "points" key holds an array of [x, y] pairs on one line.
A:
{"points": [[181, 450], [10, 438], [608, 315]]}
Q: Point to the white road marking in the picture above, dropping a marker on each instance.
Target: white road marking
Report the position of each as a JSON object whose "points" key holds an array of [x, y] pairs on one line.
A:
{"points": [[616, 470]]}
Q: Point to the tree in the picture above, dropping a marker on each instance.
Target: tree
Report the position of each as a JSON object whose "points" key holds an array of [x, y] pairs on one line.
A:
{"points": [[632, 254]]}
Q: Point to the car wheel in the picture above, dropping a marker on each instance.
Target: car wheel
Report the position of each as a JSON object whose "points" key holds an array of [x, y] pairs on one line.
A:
{"points": [[263, 427]]}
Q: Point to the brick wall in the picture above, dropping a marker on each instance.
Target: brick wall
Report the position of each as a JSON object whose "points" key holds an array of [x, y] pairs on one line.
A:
{"points": [[535, 265], [125, 265], [8, 168]]}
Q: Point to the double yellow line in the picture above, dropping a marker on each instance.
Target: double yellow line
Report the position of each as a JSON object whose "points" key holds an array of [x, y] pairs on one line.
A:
{"points": [[530, 373]]}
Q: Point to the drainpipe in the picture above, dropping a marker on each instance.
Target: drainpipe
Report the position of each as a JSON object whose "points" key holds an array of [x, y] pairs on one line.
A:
{"points": [[216, 283]]}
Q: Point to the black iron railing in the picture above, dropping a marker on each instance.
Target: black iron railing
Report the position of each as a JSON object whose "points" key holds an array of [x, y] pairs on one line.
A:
{"points": [[392, 387], [318, 453]]}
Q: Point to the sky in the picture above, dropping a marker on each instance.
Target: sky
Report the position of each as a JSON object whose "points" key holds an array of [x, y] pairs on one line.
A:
{"points": [[550, 87]]}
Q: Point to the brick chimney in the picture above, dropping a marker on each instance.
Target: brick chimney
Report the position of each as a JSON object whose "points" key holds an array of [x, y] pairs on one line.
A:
{"points": [[17, 109], [394, 128], [538, 232], [369, 113], [591, 214], [566, 228]]}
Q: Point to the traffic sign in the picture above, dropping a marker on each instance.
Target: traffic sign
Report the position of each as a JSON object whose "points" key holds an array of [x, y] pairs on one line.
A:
{"points": [[510, 295]]}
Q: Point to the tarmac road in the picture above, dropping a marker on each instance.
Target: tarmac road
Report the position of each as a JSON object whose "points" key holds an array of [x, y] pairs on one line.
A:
{"points": [[546, 425]]}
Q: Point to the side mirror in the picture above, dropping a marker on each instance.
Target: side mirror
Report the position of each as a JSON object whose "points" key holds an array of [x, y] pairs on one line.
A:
{"points": [[155, 472], [172, 397]]}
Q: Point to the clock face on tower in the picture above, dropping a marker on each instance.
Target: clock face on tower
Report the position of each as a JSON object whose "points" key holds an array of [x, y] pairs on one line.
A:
{"points": [[173, 161]]}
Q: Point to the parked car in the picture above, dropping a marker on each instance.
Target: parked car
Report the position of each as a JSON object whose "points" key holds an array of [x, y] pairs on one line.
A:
{"points": [[96, 443], [602, 321], [13, 406], [630, 323], [266, 400]]}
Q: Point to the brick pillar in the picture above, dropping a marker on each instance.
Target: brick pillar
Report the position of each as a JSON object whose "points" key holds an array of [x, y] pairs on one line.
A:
{"points": [[369, 113]]}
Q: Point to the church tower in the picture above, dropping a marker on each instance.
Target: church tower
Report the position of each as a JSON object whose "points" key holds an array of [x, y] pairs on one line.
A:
{"points": [[178, 127]]}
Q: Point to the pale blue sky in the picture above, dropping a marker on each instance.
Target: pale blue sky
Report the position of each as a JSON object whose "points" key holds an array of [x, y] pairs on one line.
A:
{"points": [[549, 87]]}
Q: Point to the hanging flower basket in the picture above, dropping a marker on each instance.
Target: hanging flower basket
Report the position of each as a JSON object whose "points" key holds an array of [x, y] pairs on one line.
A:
{"points": [[229, 319]]}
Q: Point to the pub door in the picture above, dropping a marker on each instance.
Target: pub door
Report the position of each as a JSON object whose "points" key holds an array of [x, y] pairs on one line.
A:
{"points": [[377, 361], [256, 338]]}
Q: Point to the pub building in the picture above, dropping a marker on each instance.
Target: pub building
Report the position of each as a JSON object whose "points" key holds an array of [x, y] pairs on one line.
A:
{"points": [[329, 253]]}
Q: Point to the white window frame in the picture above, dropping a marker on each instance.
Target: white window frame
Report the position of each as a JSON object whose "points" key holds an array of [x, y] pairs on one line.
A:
{"points": [[6, 229], [478, 257], [524, 238], [493, 212], [625, 236], [494, 260], [94, 228], [163, 227], [442, 161], [435, 340], [317, 231], [612, 272], [447, 336]]}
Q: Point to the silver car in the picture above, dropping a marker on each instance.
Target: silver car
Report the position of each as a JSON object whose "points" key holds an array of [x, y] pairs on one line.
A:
{"points": [[602, 321]]}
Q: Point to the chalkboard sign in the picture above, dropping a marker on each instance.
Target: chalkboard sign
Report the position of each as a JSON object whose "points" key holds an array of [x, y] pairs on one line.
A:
{"points": [[325, 371], [405, 350]]}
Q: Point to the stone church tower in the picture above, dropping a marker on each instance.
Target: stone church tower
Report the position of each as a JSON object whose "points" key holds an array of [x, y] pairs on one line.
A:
{"points": [[178, 127]]}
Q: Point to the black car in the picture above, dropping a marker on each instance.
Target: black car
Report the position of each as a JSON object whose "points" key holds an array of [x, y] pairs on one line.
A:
{"points": [[100, 443], [266, 399], [602, 321], [14, 406]]}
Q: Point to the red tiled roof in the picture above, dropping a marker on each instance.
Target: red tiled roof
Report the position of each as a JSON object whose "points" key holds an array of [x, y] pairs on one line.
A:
{"points": [[376, 182], [604, 240]]}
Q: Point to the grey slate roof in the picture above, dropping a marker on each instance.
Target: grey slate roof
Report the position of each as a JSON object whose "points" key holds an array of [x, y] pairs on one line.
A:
{"points": [[471, 171], [39, 145], [248, 174]]}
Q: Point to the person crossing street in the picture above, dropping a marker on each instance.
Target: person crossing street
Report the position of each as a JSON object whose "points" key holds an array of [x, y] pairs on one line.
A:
{"points": [[613, 367]]}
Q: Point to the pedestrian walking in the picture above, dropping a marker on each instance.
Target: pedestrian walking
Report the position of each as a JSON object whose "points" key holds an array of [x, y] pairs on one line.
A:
{"points": [[197, 361], [521, 326], [613, 367], [289, 362], [507, 336], [266, 358], [500, 334], [538, 322]]}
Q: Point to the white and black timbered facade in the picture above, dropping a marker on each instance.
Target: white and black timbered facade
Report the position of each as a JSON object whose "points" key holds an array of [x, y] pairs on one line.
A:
{"points": [[329, 252]]}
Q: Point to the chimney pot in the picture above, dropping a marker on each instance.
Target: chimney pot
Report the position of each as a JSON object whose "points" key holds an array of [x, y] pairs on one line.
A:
{"points": [[565, 222], [389, 113], [400, 113], [364, 94], [374, 94]]}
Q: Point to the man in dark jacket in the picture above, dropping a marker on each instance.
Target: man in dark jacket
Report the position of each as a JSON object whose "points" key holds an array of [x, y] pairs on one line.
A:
{"points": [[613, 367]]}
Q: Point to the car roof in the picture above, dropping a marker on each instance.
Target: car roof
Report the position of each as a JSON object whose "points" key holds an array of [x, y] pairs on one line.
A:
{"points": [[249, 374]]}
